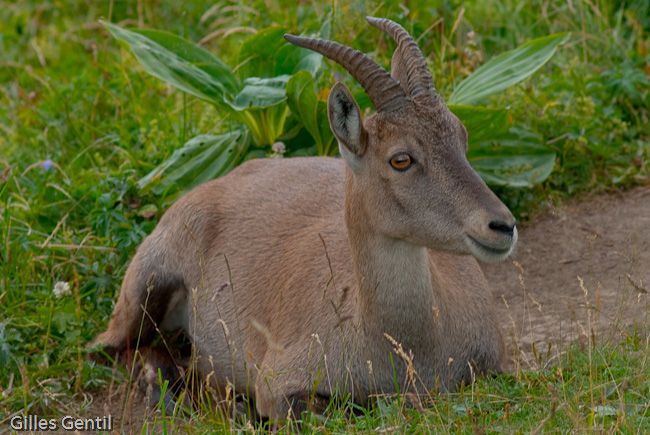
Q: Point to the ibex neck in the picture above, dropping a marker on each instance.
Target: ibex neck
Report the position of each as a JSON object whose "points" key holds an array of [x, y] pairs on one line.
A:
{"points": [[394, 284], [394, 280]]}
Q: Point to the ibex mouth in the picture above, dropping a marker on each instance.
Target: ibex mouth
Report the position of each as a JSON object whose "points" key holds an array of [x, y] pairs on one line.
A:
{"points": [[490, 252]]}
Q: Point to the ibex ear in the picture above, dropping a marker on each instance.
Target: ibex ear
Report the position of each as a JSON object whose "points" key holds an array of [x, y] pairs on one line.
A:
{"points": [[345, 121]]}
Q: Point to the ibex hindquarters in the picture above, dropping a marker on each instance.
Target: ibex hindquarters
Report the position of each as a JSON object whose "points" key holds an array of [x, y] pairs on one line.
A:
{"points": [[299, 279], [151, 289]]}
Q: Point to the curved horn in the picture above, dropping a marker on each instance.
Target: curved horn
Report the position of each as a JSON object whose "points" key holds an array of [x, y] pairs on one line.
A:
{"points": [[383, 90], [420, 83]]}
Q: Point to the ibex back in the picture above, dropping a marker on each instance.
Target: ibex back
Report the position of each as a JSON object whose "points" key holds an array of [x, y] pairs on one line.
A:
{"points": [[295, 278]]}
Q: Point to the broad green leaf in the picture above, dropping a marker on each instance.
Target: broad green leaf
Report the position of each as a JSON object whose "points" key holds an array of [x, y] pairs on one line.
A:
{"points": [[196, 55], [266, 124], [260, 93], [190, 68], [515, 171], [291, 129], [502, 155], [290, 59], [330, 145], [517, 158], [507, 69], [312, 113], [201, 159], [267, 54], [302, 143], [302, 100], [516, 141], [261, 107], [258, 52], [482, 123]]}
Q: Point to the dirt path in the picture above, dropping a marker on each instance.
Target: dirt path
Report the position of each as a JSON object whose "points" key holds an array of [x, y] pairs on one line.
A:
{"points": [[606, 242]]}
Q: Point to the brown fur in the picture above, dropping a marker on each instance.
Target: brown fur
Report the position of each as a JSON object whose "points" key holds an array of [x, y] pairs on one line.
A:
{"points": [[289, 273]]}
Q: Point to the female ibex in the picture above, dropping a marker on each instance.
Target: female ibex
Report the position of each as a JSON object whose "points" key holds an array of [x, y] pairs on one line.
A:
{"points": [[297, 278]]}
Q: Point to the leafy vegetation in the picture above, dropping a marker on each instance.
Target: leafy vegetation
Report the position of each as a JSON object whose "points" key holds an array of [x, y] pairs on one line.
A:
{"points": [[260, 103], [91, 154]]}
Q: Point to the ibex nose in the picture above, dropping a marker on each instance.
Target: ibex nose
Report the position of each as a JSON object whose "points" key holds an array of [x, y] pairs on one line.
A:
{"points": [[502, 227]]}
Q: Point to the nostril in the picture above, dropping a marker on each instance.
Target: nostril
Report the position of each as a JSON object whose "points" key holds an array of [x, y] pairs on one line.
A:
{"points": [[502, 227]]}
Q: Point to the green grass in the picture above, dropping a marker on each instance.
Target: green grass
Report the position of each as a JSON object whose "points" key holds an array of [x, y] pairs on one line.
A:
{"points": [[71, 95], [601, 388]]}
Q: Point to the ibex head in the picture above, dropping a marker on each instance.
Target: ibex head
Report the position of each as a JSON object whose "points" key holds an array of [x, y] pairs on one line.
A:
{"points": [[408, 160]]}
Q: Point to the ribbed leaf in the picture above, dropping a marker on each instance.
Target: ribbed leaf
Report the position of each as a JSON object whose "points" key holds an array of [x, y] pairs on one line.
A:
{"points": [[196, 55], [507, 69], [201, 159], [180, 63], [290, 59], [258, 52], [266, 124], [311, 112], [482, 123], [515, 171], [260, 93], [302, 100], [517, 158], [515, 141], [501, 154], [267, 54]]}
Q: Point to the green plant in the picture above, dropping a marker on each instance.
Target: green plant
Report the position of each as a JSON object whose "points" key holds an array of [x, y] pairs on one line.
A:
{"points": [[515, 157], [257, 100], [277, 76]]}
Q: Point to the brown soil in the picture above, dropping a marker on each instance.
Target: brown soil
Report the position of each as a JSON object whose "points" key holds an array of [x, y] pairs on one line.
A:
{"points": [[604, 240], [129, 407]]}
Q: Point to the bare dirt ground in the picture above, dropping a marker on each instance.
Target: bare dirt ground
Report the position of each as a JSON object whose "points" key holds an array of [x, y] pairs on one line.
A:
{"points": [[604, 240]]}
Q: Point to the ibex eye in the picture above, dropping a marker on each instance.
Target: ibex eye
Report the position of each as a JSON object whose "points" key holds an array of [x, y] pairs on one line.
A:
{"points": [[401, 161]]}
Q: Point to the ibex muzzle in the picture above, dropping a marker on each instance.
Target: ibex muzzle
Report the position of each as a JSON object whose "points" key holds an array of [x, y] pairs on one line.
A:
{"points": [[297, 278]]}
